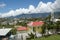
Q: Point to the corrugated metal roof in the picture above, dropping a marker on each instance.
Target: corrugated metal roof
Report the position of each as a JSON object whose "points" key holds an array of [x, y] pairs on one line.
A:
{"points": [[22, 28], [4, 31], [35, 24]]}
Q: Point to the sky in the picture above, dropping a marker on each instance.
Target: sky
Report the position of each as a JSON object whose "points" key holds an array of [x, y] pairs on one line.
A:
{"points": [[16, 7]]}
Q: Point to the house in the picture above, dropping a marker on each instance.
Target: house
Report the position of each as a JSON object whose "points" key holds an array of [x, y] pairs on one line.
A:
{"points": [[22, 33], [4, 23], [22, 29], [5, 33], [35, 27], [55, 20]]}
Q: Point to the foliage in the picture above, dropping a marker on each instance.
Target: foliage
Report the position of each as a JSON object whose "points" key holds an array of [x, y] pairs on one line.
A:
{"points": [[52, 37], [22, 23], [31, 35], [13, 31], [43, 29]]}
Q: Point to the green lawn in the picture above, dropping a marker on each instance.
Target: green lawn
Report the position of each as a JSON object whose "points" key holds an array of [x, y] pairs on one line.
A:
{"points": [[52, 37]]}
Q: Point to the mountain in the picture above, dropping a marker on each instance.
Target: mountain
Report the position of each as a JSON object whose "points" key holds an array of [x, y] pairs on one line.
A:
{"points": [[33, 15], [57, 14], [36, 15]]}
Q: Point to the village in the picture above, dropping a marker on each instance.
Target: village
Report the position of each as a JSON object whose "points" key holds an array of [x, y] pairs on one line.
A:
{"points": [[27, 29], [29, 19]]}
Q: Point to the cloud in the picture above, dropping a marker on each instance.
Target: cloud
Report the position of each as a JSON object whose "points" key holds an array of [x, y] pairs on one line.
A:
{"points": [[56, 5], [41, 8], [2, 5]]}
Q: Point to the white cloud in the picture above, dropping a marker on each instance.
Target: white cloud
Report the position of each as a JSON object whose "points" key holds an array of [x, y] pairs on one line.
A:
{"points": [[2, 5], [41, 8], [32, 9]]}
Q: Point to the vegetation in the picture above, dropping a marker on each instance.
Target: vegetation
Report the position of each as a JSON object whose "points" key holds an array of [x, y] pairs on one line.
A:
{"points": [[22, 23], [48, 24], [13, 31], [52, 37]]}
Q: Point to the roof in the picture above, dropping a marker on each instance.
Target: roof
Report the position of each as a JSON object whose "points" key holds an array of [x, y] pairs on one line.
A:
{"points": [[56, 20], [4, 31], [22, 28], [37, 23]]}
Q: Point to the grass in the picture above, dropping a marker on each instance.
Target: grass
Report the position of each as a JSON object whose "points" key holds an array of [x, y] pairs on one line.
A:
{"points": [[52, 37]]}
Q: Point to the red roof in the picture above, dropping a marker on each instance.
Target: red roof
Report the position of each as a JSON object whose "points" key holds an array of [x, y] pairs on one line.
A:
{"points": [[22, 28], [37, 23]]}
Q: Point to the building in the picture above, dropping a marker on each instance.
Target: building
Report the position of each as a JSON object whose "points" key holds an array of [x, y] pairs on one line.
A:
{"points": [[5, 33], [35, 27], [55, 20], [36, 24], [22, 33]]}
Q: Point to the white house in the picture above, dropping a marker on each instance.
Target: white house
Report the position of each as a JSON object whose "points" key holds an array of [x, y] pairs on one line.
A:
{"points": [[55, 20], [5, 33], [22, 33]]}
